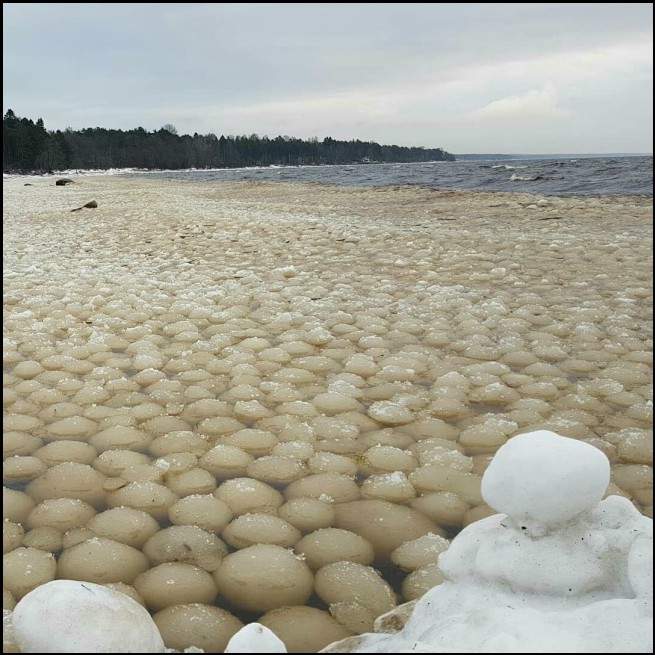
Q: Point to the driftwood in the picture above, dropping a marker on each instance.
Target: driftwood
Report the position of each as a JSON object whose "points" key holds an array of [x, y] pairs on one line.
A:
{"points": [[64, 181]]}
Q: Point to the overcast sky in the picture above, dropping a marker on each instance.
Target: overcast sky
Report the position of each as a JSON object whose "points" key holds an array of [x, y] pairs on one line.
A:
{"points": [[495, 78]]}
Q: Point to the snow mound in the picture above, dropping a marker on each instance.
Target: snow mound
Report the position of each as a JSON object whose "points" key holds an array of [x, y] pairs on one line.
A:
{"points": [[561, 571]]}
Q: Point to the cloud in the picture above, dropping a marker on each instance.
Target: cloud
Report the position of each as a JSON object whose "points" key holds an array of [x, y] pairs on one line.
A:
{"points": [[564, 77], [537, 104]]}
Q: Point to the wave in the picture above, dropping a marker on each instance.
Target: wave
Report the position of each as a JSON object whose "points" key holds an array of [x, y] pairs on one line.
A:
{"points": [[554, 177], [525, 178]]}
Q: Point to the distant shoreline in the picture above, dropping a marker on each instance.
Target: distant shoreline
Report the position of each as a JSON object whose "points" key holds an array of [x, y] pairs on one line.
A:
{"points": [[458, 158], [127, 170], [27, 145]]}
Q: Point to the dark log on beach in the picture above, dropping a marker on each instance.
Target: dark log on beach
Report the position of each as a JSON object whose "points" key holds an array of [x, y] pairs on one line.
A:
{"points": [[63, 181]]}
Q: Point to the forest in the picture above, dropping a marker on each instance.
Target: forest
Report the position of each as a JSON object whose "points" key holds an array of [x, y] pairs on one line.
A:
{"points": [[27, 146]]}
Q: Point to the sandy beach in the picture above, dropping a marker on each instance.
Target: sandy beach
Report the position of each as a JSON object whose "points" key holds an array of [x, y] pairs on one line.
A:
{"points": [[392, 338]]}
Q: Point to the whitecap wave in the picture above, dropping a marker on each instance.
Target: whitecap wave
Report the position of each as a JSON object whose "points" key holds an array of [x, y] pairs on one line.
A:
{"points": [[524, 178]]}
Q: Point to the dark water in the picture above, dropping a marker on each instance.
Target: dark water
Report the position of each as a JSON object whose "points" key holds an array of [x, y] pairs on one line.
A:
{"points": [[565, 176]]}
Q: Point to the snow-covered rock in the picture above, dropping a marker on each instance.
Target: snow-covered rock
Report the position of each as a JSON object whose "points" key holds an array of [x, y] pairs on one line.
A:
{"points": [[560, 571], [67, 616]]}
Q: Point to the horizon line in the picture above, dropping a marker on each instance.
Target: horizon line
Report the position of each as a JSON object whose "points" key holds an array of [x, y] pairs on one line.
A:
{"points": [[523, 154]]}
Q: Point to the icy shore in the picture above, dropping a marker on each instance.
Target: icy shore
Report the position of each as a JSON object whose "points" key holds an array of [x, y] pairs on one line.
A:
{"points": [[562, 571], [243, 403]]}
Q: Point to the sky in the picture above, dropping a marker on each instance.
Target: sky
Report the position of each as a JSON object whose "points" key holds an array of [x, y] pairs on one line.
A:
{"points": [[471, 78]]}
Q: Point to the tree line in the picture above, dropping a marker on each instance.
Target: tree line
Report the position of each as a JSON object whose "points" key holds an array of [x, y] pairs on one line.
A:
{"points": [[27, 146]]}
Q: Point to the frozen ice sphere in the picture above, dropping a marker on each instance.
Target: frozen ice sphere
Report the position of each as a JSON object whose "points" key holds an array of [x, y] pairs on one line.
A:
{"points": [[67, 616], [542, 479], [255, 638]]}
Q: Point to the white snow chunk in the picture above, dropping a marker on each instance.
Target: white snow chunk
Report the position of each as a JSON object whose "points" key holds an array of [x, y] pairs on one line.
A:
{"points": [[579, 581], [255, 638], [542, 479], [68, 616]]}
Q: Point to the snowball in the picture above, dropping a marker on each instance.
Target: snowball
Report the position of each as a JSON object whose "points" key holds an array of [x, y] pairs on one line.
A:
{"points": [[185, 543], [255, 638], [205, 511], [244, 495], [384, 525], [125, 525], [24, 569], [202, 626], [16, 505], [329, 545], [150, 497], [338, 487], [264, 577], [350, 582], [192, 482], [304, 629], [65, 616], [48, 539], [307, 514], [250, 529], [12, 535], [101, 560], [421, 580], [60, 513], [419, 552], [390, 413], [175, 583], [540, 478]]}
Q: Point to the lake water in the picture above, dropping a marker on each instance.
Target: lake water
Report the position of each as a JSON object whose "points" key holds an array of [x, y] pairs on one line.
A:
{"points": [[586, 176]]}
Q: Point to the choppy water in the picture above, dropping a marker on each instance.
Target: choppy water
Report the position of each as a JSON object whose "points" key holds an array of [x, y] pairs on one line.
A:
{"points": [[566, 176]]}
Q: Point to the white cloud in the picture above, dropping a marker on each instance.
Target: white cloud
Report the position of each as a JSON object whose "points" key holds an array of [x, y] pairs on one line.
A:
{"points": [[537, 104], [500, 77]]}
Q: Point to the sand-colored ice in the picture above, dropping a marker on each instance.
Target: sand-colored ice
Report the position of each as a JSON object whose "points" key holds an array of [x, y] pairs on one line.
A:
{"points": [[192, 369]]}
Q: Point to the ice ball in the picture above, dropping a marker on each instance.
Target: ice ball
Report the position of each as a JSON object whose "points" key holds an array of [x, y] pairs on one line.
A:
{"points": [[541, 478], [67, 616]]}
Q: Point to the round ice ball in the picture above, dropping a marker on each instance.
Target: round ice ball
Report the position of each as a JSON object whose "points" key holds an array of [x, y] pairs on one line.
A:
{"points": [[195, 624], [541, 478], [24, 569], [102, 560], [56, 618], [304, 629], [175, 583], [264, 577]]}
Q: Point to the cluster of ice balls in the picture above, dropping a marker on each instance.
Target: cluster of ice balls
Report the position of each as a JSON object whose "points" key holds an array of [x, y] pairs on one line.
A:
{"points": [[559, 570], [186, 396], [533, 557]]}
